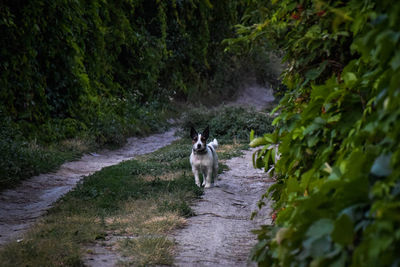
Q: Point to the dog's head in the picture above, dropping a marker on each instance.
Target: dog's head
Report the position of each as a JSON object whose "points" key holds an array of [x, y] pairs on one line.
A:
{"points": [[199, 140]]}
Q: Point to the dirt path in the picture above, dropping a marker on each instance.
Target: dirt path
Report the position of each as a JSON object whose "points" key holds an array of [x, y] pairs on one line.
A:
{"points": [[255, 96], [220, 233], [20, 207]]}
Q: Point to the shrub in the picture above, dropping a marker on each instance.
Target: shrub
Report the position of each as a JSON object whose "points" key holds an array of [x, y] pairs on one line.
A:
{"points": [[336, 193]]}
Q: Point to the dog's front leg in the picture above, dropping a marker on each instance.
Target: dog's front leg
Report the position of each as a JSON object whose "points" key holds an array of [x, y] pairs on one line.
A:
{"points": [[204, 179], [196, 176], [208, 178]]}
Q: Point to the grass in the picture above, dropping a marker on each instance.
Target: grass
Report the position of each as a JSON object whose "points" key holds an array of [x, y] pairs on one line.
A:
{"points": [[20, 160], [139, 201]]}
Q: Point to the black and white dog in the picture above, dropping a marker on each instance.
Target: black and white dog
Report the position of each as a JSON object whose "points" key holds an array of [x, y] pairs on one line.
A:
{"points": [[204, 159]]}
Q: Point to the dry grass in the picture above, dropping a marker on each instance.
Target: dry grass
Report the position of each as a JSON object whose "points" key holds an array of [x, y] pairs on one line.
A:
{"points": [[75, 144], [142, 232], [169, 176], [147, 250], [228, 147], [165, 223], [143, 217]]}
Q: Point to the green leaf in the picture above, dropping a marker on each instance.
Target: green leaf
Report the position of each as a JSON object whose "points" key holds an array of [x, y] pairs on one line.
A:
{"points": [[381, 165], [315, 125], [292, 185], [314, 32], [251, 135], [316, 72], [350, 78], [313, 140], [334, 118], [259, 141], [270, 138], [343, 232], [317, 247], [395, 62], [266, 160], [320, 228], [317, 242]]}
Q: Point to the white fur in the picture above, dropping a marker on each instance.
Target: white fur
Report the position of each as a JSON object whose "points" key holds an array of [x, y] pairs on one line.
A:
{"points": [[204, 163]]}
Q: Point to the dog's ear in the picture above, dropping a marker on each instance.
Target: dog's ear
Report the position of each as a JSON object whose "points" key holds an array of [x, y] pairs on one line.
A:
{"points": [[193, 133], [206, 132]]}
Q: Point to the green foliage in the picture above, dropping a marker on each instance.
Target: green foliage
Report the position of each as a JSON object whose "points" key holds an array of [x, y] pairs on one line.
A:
{"points": [[336, 196], [63, 59], [103, 70]]}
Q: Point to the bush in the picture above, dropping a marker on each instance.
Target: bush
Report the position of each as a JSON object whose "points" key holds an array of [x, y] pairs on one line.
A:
{"points": [[336, 193]]}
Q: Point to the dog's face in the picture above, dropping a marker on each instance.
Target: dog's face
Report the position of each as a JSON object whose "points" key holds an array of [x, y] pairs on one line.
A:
{"points": [[199, 141]]}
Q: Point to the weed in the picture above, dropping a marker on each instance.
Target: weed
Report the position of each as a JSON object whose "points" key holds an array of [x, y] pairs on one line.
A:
{"points": [[148, 250]]}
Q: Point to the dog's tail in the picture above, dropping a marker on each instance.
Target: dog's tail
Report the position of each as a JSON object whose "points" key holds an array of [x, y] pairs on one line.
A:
{"points": [[214, 143]]}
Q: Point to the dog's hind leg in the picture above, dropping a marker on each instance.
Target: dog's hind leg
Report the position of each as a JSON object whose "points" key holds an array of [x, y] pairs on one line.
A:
{"points": [[215, 172]]}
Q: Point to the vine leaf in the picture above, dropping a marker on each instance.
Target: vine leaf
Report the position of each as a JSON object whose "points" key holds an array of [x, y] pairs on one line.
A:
{"points": [[344, 230], [381, 165]]}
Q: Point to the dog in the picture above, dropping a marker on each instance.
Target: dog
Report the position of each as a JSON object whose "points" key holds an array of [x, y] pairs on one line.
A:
{"points": [[204, 158]]}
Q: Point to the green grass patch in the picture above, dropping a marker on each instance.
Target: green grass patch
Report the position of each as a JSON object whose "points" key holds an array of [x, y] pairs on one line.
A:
{"points": [[21, 159]]}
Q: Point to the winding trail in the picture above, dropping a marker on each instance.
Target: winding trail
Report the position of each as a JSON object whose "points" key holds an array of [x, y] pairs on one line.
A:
{"points": [[220, 234], [22, 206]]}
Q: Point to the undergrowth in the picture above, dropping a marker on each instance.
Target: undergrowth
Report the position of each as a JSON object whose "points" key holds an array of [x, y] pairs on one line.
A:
{"points": [[337, 197]]}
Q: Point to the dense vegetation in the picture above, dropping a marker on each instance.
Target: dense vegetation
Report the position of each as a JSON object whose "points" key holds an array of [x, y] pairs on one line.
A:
{"points": [[337, 194], [99, 71]]}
